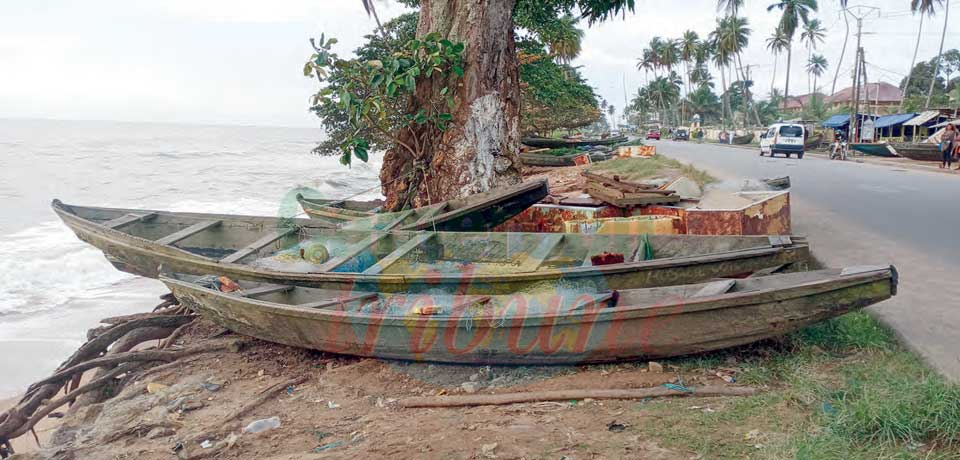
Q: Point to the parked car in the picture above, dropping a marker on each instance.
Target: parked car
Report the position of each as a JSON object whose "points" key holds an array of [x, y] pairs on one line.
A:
{"points": [[681, 135], [653, 134], [785, 138]]}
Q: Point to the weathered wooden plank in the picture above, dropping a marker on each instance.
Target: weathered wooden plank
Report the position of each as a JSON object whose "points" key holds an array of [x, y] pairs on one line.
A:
{"points": [[397, 220], [535, 257], [715, 288], [401, 251], [128, 219], [351, 252], [188, 232], [264, 290], [334, 302], [621, 199], [257, 245]]}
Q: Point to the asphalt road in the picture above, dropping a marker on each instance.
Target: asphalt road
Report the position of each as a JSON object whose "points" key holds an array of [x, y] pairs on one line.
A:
{"points": [[861, 213]]}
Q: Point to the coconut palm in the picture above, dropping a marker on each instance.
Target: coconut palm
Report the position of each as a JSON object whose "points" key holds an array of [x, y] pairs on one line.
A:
{"points": [[688, 51], [927, 7], [565, 39], [793, 13], [721, 58], [843, 49], [731, 7], [812, 33], [733, 35], [816, 65], [777, 43], [647, 62]]}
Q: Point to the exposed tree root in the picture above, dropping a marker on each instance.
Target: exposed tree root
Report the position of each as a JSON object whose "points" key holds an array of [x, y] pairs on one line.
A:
{"points": [[566, 395], [108, 348]]}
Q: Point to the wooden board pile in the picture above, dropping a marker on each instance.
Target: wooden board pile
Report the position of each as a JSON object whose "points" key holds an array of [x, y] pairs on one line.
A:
{"points": [[624, 194]]}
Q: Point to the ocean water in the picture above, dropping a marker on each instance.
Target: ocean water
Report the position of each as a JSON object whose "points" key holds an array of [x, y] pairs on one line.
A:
{"points": [[53, 287]]}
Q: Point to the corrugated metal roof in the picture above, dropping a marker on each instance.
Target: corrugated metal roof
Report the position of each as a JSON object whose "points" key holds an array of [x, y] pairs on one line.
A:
{"points": [[893, 120], [924, 117], [836, 121]]}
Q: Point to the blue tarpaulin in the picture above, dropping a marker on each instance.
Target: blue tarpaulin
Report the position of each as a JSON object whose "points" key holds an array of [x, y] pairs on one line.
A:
{"points": [[892, 120], [836, 121]]}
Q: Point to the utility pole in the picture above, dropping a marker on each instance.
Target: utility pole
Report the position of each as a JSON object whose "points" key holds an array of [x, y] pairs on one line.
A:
{"points": [[861, 13]]}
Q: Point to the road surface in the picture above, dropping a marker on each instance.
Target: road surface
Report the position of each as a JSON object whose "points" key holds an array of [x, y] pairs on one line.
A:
{"points": [[861, 213]]}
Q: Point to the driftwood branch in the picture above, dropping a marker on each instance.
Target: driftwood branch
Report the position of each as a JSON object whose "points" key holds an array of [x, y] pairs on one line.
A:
{"points": [[53, 405], [566, 395]]}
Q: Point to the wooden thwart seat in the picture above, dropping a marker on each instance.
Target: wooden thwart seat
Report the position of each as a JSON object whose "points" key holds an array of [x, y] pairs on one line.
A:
{"points": [[128, 219], [188, 232], [335, 302], [401, 251], [258, 245], [351, 252], [264, 290], [715, 288], [536, 257]]}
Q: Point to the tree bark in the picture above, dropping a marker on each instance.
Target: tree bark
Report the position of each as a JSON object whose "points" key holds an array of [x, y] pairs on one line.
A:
{"points": [[479, 150]]}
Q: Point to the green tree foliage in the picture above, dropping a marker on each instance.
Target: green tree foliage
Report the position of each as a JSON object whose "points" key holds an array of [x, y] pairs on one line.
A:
{"points": [[374, 94], [920, 78], [554, 95]]}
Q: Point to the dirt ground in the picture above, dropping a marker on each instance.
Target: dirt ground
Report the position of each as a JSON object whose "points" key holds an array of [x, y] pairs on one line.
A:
{"points": [[347, 408]]}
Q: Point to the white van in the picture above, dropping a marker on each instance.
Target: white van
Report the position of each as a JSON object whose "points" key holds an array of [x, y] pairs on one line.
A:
{"points": [[785, 138]]}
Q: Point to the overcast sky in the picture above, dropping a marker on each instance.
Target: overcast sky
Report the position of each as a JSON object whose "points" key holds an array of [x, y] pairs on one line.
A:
{"points": [[239, 61]]}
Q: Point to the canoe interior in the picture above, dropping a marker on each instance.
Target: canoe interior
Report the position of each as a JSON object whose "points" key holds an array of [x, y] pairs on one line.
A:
{"points": [[409, 253]]}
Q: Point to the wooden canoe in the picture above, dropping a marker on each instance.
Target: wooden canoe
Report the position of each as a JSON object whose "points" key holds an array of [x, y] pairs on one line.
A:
{"points": [[919, 152], [268, 250], [337, 211], [552, 143], [744, 139], [546, 159], [549, 327], [478, 212], [880, 149]]}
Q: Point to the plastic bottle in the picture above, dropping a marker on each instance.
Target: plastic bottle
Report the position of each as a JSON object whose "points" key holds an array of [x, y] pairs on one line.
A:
{"points": [[263, 425]]}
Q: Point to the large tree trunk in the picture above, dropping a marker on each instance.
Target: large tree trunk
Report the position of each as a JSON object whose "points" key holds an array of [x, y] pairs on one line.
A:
{"points": [[479, 149]]}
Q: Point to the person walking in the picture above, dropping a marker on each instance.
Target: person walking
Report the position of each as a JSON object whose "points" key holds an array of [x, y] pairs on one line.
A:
{"points": [[947, 141]]}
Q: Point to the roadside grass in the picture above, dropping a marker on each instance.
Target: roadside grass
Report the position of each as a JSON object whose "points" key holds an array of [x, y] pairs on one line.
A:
{"points": [[842, 389], [633, 169]]}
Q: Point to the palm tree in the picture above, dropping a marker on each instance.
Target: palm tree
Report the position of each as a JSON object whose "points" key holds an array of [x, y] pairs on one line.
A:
{"points": [[925, 8], [816, 65], [731, 7], [565, 40], [843, 49], [688, 50], [647, 62], [733, 36], [794, 12], [812, 33], [721, 59], [777, 43], [928, 7]]}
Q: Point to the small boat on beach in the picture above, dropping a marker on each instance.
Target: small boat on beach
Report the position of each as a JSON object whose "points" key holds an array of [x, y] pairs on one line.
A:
{"points": [[558, 326], [744, 139], [546, 159], [338, 211], [778, 183], [478, 212], [304, 252], [553, 143], [879, 149], [919, 152]]}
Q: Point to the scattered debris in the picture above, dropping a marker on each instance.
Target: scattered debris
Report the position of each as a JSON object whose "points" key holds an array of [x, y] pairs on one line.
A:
{"points": [[487, 450], [329, 446], [654, 366], [263, 425], [616, 426], [470, 387], [154, 387]]}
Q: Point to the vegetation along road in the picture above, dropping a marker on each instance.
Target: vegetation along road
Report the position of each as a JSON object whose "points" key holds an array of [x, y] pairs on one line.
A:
{"points": [[857, 213]]}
